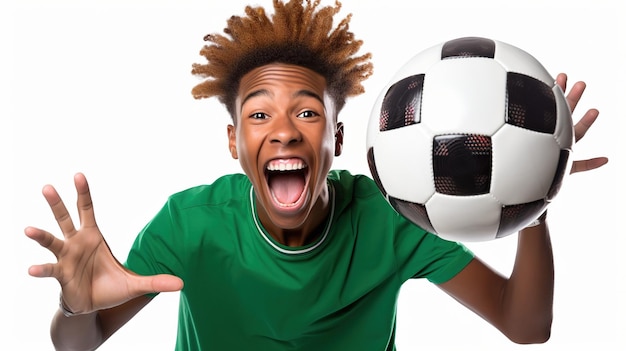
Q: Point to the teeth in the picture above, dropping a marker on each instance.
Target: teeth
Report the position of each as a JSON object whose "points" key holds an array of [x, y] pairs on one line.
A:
{"points": [[282, 166]]}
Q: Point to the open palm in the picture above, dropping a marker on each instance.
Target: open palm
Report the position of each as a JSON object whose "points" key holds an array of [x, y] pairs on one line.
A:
{"points": [[90, 277]]}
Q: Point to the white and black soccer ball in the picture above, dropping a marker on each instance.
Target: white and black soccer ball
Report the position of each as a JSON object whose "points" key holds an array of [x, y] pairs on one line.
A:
{"points": [[471, 139]]}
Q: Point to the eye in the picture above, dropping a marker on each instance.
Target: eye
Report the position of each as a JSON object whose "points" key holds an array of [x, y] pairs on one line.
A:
{"points": [[308, 114], [258, 115]]}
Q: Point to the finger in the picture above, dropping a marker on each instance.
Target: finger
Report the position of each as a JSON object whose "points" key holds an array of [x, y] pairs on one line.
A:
{"points": [[47, 270], [84, 203], [583, 125], [59, 210], [561, 81], [587, 165], [574, 95], [45, 239]]}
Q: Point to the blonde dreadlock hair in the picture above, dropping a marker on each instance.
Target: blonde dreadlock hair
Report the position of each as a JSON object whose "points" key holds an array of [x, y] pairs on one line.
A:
{"points": [[295, 34]]}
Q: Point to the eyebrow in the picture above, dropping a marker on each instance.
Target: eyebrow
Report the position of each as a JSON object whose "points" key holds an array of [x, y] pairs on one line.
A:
{"points": [[308, 93], [254, 94], [302, 92]]}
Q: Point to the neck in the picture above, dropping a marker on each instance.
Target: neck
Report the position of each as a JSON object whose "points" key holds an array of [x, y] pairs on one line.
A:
{"points": [[304, 234], [296, 238]]}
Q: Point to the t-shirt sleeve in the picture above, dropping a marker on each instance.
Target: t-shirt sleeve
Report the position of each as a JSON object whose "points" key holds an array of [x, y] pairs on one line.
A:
{"points": [[416, 252], [422, 254], [157, 248]]}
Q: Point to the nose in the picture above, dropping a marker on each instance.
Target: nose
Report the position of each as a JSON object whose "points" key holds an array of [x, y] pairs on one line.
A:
{"points": [[285, 131]]}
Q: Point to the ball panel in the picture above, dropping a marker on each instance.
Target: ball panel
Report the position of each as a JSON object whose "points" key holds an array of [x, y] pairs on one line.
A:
{"points": [[371, 162], [373, 126], [466, 95], [401, 105], [419, 63], [514, 59], [403, 160], [516, 217], [524, 164], [562, 170], [414, 212], [564, 133], [468, 47], [530, 103], [469, 218], [462, 164]]}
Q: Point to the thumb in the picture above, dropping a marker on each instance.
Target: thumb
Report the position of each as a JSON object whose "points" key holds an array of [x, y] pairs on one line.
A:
{"points": [[158, 283], [166, 283]]}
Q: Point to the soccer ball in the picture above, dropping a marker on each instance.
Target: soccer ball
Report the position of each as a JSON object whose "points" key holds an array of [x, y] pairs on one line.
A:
{"points": [[471, 139]]}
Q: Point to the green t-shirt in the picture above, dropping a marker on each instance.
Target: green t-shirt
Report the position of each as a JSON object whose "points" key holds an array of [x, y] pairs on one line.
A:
{"points": [[245, 291]]}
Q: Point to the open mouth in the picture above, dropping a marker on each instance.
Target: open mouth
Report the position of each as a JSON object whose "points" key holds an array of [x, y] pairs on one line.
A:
{"points": [[286, 179]]}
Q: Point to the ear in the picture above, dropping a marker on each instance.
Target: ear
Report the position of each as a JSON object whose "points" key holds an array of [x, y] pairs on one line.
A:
{"points": [[232, 141], [339, 139]]}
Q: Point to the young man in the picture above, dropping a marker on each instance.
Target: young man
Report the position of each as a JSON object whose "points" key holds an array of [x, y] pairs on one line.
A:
{"points": [[290, 255]]}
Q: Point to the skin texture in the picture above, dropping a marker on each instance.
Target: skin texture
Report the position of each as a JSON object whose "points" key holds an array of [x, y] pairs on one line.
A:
{"points": [[284, 113]]}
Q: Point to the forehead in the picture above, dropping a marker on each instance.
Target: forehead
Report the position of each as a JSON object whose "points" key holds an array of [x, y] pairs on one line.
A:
{"points": [[284, 75]]}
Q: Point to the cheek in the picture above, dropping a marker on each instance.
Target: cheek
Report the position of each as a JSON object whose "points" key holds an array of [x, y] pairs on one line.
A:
{"points": [[247, 148], [239, 146], [327, 147]]}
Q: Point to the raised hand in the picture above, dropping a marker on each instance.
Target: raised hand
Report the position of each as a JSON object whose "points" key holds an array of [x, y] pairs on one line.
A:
{"points": [[91, 278], [583, 125]]}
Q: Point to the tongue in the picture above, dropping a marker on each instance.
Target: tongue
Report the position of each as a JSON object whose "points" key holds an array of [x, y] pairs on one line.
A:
{"points": [[287, 186]]}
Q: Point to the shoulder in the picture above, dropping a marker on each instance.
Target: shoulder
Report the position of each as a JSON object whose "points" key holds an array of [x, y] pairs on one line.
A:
{"points": [[358, 198], [183, 223], [220, 192], [358, 194], [353, 185]]}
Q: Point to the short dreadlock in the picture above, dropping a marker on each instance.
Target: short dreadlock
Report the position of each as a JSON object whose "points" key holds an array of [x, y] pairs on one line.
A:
{"points": [[295, 34]]}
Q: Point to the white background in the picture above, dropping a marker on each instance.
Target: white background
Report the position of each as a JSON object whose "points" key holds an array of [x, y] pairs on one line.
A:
{"points": [[103, 87]]}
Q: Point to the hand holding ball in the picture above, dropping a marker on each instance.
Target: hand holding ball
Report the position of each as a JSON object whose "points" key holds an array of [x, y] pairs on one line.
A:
{"points": [[471, 139]]}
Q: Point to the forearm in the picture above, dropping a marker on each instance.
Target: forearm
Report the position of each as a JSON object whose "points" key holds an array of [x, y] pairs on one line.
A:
{"points": [[80, 332], [528, 294]]}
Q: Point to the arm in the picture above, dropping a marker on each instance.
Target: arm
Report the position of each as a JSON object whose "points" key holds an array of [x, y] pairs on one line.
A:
{"points": [[521, 306], [101, 292], [89, 331]]}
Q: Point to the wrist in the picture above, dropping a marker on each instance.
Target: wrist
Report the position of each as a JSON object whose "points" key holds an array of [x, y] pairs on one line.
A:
{"points": [[64, 309]]}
